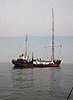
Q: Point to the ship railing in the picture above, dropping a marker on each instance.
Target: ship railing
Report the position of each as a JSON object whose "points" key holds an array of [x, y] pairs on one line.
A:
{"points": [[69, 94]]}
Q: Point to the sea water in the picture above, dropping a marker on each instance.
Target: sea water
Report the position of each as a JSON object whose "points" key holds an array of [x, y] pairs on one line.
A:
{"points": [[36, 83]]}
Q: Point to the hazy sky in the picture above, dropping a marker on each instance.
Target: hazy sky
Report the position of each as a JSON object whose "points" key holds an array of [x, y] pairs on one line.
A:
{"points": [[33, 17]]}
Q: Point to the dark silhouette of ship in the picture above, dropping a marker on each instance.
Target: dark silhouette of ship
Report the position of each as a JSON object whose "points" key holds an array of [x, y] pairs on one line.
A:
{"points": [[24, 62]]}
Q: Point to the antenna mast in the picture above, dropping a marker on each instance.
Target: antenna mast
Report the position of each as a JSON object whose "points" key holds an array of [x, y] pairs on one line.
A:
{"points": [[52, 33], [26, 39]]}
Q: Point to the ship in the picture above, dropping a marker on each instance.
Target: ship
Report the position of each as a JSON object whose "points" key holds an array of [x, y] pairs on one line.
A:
{"points": [[24, 62]]}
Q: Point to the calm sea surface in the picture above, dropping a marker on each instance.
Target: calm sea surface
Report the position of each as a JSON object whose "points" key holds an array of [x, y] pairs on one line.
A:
{"points": [[36, 83]]}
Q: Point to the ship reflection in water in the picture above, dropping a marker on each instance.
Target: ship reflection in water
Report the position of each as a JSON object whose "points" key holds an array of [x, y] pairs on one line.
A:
{"points": [[37, 84]]}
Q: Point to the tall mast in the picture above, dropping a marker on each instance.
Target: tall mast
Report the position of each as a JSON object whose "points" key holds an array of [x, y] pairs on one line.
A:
{"points": [[52, 34], [26, 39]]}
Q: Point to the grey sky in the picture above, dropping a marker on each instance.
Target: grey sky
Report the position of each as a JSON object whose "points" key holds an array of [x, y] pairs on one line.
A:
{"points": [[33, 17]]}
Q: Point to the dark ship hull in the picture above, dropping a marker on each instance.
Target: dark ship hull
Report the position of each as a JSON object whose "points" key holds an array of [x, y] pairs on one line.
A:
{"points": [[26, 64]]}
